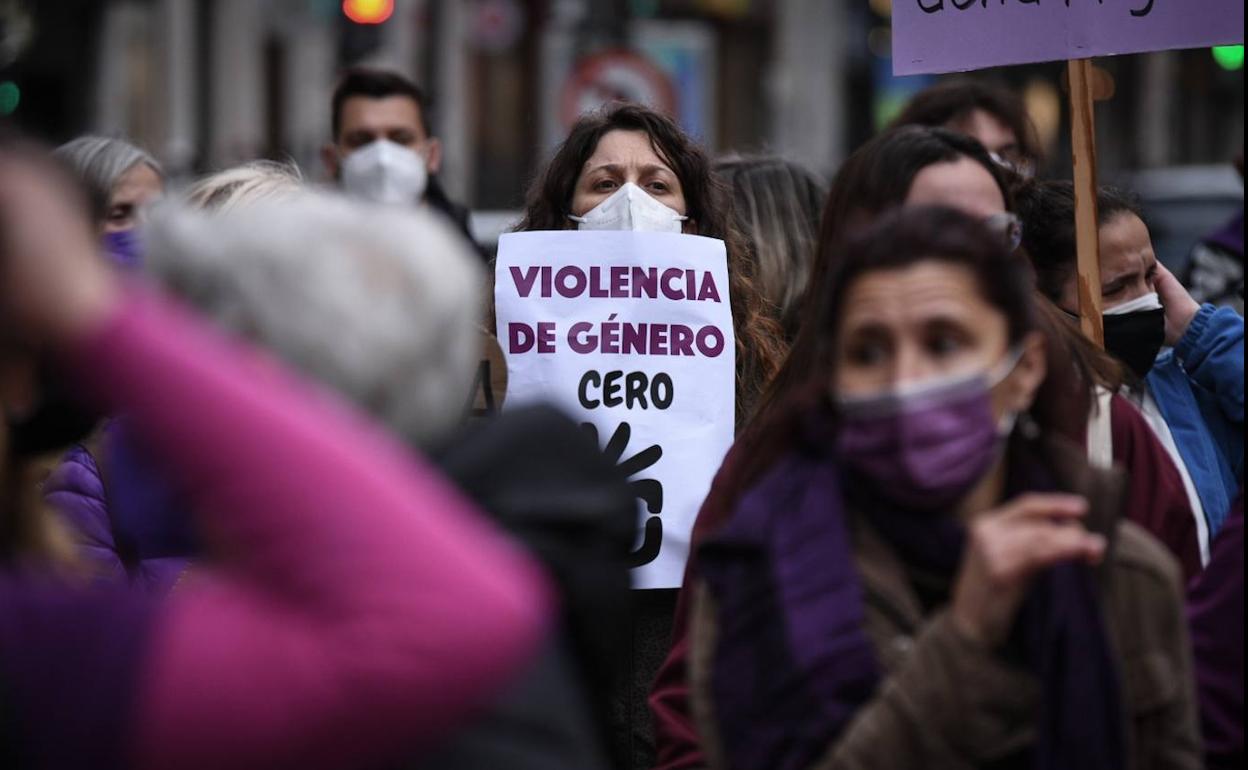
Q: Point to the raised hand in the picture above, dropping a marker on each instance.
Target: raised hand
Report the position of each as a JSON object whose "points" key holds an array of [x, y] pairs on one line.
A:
{"points": [[1006, 548], [1180, 307], [53, 284]]}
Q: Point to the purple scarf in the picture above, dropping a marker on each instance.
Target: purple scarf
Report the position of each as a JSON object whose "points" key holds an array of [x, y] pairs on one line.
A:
{"points": [[1231, 236], [793, 662]]}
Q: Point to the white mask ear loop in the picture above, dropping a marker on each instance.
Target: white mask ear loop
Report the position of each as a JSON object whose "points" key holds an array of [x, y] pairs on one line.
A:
{"points": [[997, 375]]}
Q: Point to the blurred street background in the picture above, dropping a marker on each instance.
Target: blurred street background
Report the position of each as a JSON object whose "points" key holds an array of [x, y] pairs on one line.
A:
{"points": [[207, 83]]}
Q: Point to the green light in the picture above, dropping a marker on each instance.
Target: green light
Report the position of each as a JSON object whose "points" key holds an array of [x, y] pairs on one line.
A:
{"points": [[1229, 57], [645, 9], [887, 107], [10, 97]]}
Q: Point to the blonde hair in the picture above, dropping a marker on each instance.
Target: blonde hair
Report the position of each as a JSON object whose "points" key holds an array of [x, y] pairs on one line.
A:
{"points": [[245, 184]]}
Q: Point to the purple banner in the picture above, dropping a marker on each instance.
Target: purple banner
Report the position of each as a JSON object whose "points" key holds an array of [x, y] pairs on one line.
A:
{"points": [[956, 35]]}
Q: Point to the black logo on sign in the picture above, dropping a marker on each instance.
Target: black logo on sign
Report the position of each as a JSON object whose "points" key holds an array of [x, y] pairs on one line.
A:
{"points": [[650, 491]]}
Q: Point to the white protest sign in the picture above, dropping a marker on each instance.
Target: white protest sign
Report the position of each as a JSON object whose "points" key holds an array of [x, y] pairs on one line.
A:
{"points": [[630, 333]]}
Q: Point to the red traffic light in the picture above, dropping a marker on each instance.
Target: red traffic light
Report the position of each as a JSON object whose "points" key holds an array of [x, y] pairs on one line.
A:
{"points": [[368, 11]]}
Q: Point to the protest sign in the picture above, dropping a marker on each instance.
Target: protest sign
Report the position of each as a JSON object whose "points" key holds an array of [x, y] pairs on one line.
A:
{"points": [[932, 36], [489, 384], [1087, 232], [630, 333]]}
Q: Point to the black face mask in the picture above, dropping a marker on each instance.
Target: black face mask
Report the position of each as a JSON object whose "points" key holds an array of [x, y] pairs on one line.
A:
{"points": [[1136, 338], [56, 422]]}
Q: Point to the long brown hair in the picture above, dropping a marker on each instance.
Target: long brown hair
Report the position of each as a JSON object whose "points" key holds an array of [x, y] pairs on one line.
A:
{"points": [[760, 347], [875, 178], [777, 205]]}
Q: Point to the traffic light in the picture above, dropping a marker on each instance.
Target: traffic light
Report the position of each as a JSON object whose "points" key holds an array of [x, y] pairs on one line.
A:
{"points": [[368, 11], [1229, 57]]}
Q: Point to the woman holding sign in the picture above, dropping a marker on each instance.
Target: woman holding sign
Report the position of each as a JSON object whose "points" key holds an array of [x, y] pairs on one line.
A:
{"points": [[631, 168], [923, 572]]}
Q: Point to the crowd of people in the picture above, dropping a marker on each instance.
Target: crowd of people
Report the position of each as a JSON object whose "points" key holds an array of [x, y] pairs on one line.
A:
{"points": [[249, 516]]}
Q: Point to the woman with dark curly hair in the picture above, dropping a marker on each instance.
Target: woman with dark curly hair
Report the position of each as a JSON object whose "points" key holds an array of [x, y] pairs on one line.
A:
{"points": [[628, 167], [632, 153]]}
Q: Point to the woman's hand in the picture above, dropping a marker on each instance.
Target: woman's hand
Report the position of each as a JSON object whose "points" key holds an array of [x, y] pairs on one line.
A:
{"points": [[54, 286], [1179, 305], [1006, 548]]}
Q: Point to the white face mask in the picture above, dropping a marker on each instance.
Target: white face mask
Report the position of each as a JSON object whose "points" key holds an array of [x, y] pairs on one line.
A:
{"points": [[385, 172], [630, 208], [1148, 301]]}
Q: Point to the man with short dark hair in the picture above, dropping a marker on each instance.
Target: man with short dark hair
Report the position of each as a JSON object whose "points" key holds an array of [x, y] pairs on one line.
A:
{"points": [[383, 147]]}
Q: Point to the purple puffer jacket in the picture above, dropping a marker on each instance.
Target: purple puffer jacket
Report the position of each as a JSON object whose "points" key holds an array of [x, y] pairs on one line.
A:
{"points": [[130, 528]]}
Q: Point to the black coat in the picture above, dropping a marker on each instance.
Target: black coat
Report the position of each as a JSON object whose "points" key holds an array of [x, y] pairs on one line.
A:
{"points": [[544, 480]]}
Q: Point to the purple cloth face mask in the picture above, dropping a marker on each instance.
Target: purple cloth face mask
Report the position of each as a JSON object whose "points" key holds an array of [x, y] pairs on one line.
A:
{"points": [[124, 249], [925, 446]]}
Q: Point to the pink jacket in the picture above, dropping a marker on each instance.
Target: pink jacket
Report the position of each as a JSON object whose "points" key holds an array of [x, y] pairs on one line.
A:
{"points": [[358, 607]]}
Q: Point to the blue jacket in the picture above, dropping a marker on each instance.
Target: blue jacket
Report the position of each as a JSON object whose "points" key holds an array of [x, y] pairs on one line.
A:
{"points": [[1199, 387]]}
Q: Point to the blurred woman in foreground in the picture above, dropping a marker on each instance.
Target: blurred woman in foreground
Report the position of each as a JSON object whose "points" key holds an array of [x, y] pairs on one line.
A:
{"points": [[922, 572], [315, 640], [916, 165]]}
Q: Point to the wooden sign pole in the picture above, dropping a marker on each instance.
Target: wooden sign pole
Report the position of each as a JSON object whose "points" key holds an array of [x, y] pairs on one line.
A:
{"points": [[1083, 143]]}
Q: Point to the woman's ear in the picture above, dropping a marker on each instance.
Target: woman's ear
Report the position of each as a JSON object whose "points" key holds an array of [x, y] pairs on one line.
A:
{"points": [[1028, 374]]}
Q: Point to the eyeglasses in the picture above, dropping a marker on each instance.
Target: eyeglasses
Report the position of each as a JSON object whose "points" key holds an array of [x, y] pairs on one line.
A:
{"points": [[1008, 227], [1020, 166]]}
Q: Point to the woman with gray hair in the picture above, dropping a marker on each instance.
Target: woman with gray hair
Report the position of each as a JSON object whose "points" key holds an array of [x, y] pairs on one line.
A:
{"points": [[379, 304], [120, 178], [777, 205]]}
